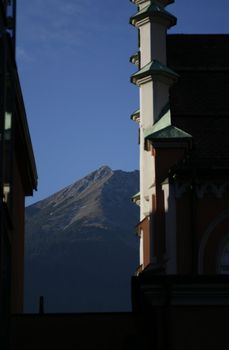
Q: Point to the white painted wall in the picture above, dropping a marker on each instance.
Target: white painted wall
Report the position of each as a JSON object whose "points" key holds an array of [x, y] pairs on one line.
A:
{"points": [[147, 104], [147, 174], [152, 43], [145, 44], [146, 160], [146, 3], [153, 97]]}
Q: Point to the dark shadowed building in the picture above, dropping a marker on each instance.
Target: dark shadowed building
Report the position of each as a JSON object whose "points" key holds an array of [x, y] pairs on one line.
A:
{"points": [[184, 188], [175, 303], [18, 176]]}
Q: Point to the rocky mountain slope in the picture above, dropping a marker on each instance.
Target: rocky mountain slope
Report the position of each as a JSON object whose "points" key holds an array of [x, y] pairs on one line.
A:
{"points": [[81, 249]]}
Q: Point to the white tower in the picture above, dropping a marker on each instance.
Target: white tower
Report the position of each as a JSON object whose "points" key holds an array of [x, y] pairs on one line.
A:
{"points": [[154, 79]]}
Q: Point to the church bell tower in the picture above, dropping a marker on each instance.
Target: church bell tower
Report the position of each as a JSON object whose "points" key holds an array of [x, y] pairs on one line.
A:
{"points": [[161, 143]]}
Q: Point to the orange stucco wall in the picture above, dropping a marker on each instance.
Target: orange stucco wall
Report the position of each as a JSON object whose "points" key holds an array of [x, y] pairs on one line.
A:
{"points": [[200, 228]]}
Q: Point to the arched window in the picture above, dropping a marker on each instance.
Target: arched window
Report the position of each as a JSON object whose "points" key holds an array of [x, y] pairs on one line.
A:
{"points": [[224, 259]]}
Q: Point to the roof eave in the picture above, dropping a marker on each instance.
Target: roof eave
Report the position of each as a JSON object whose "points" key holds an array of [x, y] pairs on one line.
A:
{"points": [[169, 133], [135, 78]]}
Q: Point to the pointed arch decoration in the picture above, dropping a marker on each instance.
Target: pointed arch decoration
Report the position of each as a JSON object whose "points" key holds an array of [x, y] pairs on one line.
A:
{"points": [[212, 226]]}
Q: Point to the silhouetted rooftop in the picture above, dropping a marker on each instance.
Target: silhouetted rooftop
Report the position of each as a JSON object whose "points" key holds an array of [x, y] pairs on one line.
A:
{"points": [[199, 100]]}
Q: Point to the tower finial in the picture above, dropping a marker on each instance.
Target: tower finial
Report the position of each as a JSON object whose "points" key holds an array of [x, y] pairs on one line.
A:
{"points": [[159, 2]]}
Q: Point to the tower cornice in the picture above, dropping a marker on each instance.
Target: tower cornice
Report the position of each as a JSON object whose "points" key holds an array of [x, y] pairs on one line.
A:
{"points": [[153, 10], [152, 69]]}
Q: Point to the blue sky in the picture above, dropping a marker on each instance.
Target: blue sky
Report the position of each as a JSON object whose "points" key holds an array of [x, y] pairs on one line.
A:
{"points": [[73, 62]]}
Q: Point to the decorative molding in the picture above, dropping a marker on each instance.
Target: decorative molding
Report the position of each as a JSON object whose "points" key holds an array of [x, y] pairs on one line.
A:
{"points": [[151, 11], [201, 189], [211, 188], [181, 188]]}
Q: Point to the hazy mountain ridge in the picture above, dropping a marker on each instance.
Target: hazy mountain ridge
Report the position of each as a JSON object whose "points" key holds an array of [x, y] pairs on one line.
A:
{"points": [[87, 231]]}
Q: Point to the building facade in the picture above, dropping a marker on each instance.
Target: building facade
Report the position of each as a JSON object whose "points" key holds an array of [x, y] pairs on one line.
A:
{"points": [[18, 176], [184, 152], [183, 230], [154, 79]]}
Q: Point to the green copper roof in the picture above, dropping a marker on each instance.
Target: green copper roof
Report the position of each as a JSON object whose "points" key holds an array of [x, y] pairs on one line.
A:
{"points": [[153, 68], [162, 123], [163, 128], [169, 132], [153, 9], [135, 115]]}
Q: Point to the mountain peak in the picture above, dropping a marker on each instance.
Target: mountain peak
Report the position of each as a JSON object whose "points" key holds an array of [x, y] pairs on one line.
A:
{"points": [[81, 234], [104, 170], [101, 174]]}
